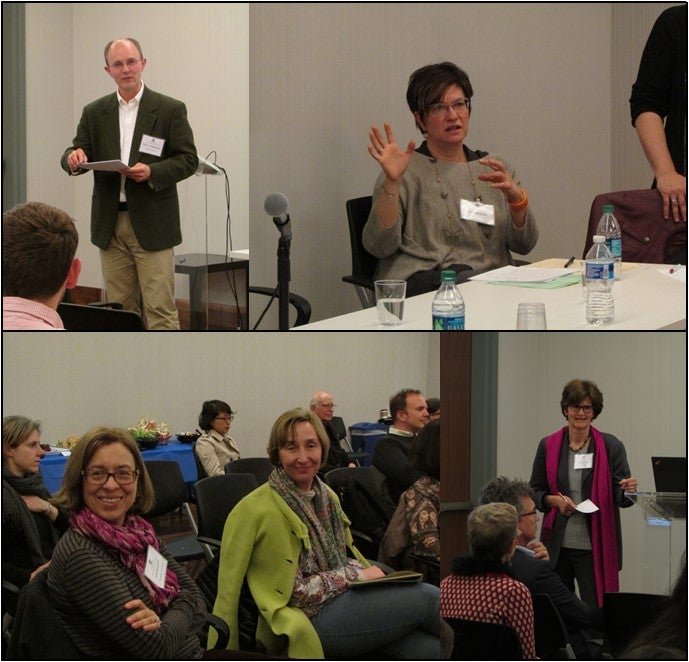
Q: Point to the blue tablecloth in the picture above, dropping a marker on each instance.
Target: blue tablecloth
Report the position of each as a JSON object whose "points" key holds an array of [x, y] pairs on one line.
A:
{"points": [[53, 465]]}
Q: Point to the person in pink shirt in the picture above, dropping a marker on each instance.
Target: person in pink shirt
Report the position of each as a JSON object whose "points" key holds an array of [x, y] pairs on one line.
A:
{"points": [[38, 264]]}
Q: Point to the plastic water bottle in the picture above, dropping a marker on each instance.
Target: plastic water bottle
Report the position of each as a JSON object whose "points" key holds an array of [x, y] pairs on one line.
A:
{"points": [[599, 274], [609, 228], [448, 304]]}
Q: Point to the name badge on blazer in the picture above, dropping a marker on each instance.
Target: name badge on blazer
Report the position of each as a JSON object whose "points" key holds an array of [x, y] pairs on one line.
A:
{"points": [[152, 145]]}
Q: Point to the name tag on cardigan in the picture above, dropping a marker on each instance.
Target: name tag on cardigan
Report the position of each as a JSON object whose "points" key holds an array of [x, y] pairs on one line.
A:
{"points": [[152, 145], [477, 211], [156, 567], [584, 461]]}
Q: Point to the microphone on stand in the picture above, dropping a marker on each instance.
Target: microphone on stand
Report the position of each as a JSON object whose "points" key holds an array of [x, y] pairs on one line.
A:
{"points": [[276, 205]]}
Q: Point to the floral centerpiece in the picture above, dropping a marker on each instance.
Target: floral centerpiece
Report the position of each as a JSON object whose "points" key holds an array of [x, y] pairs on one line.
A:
{"points": [[147, 430]]}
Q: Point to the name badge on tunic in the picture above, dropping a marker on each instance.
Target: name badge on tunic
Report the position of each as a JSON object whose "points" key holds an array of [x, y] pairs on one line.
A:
{"points": [[584, 461], [156, 567], [152, 145], [477, 211]]}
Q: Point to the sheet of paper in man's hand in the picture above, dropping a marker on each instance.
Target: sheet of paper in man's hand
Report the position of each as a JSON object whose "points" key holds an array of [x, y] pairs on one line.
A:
{"points": [[587, 507], [108, 166]]}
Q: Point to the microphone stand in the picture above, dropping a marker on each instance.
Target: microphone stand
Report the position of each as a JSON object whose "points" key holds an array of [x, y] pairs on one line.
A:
{"points": [[283, 282]]}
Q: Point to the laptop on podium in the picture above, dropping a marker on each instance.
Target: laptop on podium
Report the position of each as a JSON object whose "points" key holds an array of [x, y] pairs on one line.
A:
{"points": [[670, 476]]}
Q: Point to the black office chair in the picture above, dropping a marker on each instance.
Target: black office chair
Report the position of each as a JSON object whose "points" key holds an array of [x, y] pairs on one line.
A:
{"points": [[366, 503], [172, 494], [260, 467], [299, 303], [475, 640], [216, 496], [429, 567], [247, 618], [624, 614], [552, 638], [78, 317], [363, 263]]}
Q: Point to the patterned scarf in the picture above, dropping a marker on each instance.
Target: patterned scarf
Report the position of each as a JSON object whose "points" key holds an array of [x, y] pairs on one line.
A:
{"points": [[328, 549], [16, 513], [603, 528], [130, 542]]}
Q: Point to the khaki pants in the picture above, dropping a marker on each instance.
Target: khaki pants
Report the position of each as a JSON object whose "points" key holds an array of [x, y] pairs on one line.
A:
{"points": [[140, 280]]}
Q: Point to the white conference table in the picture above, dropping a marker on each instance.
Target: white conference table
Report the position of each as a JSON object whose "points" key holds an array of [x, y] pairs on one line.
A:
{"points": [[646, 297]]}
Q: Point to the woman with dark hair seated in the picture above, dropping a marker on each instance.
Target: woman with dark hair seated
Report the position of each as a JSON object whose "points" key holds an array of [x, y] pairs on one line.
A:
{"points": [[31, 525], [413, 528], [112, 583], [480, 587], [443, 205], [290, 539], [215, 448]]}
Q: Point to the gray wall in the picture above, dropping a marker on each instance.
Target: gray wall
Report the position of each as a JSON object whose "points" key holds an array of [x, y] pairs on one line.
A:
{"points": [[74, 381], [285, 94], [551, 83], [643, 380], [196, 52]]}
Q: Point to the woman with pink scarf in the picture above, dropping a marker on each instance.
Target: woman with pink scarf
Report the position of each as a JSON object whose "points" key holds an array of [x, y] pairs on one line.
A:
{"points": [[116, 591], [576, 463]]}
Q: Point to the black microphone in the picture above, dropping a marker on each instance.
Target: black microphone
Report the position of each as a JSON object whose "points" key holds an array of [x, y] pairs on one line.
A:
{"points": [[276, 205]]}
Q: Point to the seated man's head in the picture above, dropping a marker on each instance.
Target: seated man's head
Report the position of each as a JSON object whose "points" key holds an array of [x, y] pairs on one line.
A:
{"points": [[408, 410], [322, 404], [492, 531], [38, 247], [519, 494]]}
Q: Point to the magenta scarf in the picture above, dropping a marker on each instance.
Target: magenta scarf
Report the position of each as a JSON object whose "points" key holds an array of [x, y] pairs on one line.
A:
{"points": [[130, 541], [603, 529]]}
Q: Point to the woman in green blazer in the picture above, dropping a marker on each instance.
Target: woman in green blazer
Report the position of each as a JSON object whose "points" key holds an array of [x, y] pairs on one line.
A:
{"points": [[290, 539]]}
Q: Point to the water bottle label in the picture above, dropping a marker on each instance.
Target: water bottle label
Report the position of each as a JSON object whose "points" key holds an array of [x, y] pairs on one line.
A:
{"points": [[599, 271], [615, 246], [448, 323]]}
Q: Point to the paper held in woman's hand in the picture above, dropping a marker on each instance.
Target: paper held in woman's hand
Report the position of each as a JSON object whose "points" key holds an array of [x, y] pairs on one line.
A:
{"points": [[587, 507]]}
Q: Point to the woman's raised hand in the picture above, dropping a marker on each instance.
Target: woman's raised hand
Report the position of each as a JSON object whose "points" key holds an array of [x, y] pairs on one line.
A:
{"points": [[385, 150]]}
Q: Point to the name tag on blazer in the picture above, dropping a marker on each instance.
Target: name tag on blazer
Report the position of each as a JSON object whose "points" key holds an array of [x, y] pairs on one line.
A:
{"points": [[152, 145]]}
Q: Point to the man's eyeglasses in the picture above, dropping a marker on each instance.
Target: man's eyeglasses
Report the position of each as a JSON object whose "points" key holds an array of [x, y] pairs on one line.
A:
{"points": [[587, 409], [327, 406], [533, 512], [101, 476], [458, 105], [130, 63], [224, 418]]}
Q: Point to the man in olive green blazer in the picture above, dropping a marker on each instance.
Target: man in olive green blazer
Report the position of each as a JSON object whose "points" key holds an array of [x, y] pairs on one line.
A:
{"points": [[135, 211]]}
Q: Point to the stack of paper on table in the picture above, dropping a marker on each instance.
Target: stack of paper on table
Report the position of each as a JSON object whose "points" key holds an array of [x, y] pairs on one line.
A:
{"points": [[533, 277]]}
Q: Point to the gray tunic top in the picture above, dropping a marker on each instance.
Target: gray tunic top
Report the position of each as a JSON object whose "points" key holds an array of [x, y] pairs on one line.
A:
{"points": [[428, 232]]}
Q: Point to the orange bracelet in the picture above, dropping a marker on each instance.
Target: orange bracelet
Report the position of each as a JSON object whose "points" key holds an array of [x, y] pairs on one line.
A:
{"points": [[521, 203]]}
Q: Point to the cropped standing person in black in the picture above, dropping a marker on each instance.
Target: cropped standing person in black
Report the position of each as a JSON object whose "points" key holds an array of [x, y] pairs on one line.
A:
{"points": [[658, 107]]}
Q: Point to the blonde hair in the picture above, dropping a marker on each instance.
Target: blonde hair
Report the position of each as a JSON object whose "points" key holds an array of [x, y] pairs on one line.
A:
{"points": [[492, 528], [284, 426]]}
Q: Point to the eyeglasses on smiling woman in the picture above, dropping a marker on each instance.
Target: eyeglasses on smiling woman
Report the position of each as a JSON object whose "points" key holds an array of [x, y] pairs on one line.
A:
{"points": [[101, 476], [587, 409]]}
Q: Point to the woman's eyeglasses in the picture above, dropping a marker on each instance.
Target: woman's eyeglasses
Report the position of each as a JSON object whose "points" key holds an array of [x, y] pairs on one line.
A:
{"points": [[224, 418], [101, 476], [587, 409], [458, 105]]}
